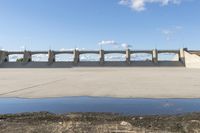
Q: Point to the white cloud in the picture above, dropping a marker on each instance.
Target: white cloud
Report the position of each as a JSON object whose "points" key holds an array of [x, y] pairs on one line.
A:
{"points": [[108, 42], [140, 5], [80, 48], [2, 49], [126, 46], [170, 32], [22, 48], [64, 57], [124, 2], [64, 49], [89, 57], [115, 44], [115, 57], [13, 58], [141, 57], [40, 57]]}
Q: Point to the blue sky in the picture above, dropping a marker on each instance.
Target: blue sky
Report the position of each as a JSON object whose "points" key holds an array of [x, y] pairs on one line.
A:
{"points": [[116, 24]]}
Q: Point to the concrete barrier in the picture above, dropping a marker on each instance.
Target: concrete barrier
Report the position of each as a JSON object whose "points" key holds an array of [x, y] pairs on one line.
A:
{"points": [[191, 60], [187, 58]]}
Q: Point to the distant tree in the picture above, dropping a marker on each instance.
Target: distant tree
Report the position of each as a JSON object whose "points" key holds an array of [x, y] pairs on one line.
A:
{"points": [[147, 60], [23, 60], [20, 60]]}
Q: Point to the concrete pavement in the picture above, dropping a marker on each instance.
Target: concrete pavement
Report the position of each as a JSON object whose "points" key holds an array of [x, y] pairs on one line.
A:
{"points": [[148, 82]]}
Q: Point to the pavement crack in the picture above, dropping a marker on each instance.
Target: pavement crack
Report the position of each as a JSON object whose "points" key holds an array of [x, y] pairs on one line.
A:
{"points": [[31, 87]]}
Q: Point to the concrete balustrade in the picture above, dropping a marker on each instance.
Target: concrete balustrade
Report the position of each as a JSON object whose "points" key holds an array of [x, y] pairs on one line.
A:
{"points": [[27, 55]]}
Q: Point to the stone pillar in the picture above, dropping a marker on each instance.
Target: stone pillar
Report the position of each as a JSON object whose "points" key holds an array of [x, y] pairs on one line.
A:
{"points": [[76, 56], [4, 56], [27, 56], [101, 54], [128, 56], [51, 56], [182, 55], [155, 56]]}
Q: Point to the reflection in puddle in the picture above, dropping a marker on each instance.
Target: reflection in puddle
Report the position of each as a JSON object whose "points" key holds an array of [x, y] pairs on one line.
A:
{"points": [[97, 104]]}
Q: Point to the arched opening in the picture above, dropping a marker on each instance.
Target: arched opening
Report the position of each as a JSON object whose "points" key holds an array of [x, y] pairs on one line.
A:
{"points": [[168, 57], [64, 57], [15, 57], [115, 57], [141, 57], [40, 58], [89, 57]]}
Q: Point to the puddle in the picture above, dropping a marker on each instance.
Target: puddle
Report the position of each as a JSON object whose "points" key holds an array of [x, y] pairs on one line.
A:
{"points": [[100, 104]]}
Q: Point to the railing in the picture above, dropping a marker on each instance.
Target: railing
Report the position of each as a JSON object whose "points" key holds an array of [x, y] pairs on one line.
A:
{"points": [[27, 55]]}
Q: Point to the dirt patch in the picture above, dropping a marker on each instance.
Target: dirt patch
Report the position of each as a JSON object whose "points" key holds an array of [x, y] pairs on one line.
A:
{"points": [[44, 122]]}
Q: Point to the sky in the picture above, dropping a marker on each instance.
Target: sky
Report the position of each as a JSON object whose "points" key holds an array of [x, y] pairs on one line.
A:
{"points": [[95, 24]]}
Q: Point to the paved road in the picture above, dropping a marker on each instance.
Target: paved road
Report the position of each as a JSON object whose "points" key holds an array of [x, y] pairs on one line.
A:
{"points": [[111, 82]]}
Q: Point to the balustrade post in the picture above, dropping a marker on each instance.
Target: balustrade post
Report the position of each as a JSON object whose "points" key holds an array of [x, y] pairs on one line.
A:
{"points": [[101, 53], [51, 56], [27, 56], [128, 56], [76, 56], [155, 56]]}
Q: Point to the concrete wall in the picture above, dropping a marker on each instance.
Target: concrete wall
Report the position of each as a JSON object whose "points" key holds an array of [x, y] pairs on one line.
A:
{"points": [[189, 59], [90, 64], [192, 60]]}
